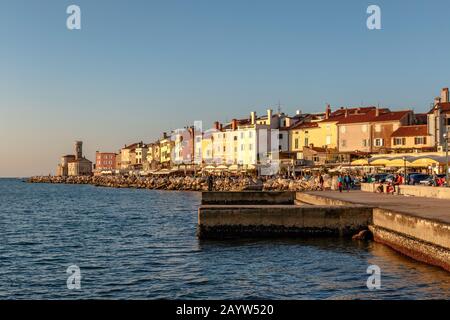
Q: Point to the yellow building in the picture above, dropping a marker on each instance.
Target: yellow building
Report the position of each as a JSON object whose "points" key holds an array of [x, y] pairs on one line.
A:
{"points": [[207, 147], [166, 148], [322, 129], [311, 132]]}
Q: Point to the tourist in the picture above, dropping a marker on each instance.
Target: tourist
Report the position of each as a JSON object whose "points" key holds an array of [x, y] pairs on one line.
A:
{"points": [[390, 188], [365, 178], [347, 182], [321, 182], [210, 183], [380, 188], [340, 181], [396, 182]]}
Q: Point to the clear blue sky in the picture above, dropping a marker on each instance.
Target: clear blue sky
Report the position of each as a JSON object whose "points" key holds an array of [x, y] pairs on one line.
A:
{"points": [[137, 68]]}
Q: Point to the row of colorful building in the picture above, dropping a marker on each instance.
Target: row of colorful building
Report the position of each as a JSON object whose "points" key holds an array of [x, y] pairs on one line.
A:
{"points": [[275, 141]]}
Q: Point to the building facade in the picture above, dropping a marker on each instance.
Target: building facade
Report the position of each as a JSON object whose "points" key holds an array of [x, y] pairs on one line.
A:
{"points": [[105, 161]]}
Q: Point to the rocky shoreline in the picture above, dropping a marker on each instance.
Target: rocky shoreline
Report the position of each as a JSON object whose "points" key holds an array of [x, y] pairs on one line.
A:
{"points": [[190, 183]]}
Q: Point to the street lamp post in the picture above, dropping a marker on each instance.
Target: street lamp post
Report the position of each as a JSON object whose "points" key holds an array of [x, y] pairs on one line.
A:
{"points": [[447, 183]]}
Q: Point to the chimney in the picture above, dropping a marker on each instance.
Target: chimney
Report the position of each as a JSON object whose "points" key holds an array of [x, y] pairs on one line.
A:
{"points": [[269, 116], [216, 125], [444, 95], [165, 135], [328, 111], [377, 112], [437, 100], [233, 124], [253, 117], [298, 112], [346, 112]]}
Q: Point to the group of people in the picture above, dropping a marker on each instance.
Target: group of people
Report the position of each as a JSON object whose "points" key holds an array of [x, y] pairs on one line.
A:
{"points": [[345, 182]]}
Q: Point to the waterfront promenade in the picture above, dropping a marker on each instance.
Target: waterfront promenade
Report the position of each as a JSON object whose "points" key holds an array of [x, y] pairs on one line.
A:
{"points": [[429, 208]]}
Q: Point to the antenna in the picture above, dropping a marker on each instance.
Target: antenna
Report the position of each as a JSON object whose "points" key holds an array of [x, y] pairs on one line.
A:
{"points": [[279, 107]]}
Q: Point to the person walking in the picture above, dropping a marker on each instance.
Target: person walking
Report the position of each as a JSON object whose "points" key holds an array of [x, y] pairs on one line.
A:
{"points": [[347, 182], [321, 182], [340, 182], [210, 183]]}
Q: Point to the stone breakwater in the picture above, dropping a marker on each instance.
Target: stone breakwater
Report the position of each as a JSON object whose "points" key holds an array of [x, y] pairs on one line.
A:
{"points": [[188, 183]]}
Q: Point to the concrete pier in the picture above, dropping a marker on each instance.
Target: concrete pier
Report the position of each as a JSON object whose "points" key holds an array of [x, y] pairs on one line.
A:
{"points": [[248, 197], [415, 226], [225, 221]]}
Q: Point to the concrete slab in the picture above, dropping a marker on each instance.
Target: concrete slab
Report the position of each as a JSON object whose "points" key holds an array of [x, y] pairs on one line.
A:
{"points": [[427, 208]]}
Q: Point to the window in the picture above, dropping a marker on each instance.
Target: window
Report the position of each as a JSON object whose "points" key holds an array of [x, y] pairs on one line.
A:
{"points": [[296, 143], [242, 147], [250, 147], [316, 159], [280, 136], [420, 140], [378, 142], [279, 148], [364, 143], [399, 141], [235, 138], [306, 142], [242, 135]]}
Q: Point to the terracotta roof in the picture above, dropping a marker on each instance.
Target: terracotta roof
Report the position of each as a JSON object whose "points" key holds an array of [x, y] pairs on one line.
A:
{"points": [[411, 131], [384, 115], [392, 116], [339, 114], [303, 125], [445, 107], [131, 146], [317, 149]]}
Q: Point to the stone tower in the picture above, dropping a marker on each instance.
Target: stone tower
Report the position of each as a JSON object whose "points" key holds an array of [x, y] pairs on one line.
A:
{"points": [[78, 150]]}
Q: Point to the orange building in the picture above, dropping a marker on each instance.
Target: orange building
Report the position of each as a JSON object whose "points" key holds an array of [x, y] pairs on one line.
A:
{"points": [[105, 161]]}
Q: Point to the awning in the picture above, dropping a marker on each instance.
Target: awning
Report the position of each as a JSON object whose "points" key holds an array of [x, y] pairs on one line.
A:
{"points": [[360, 162], [398, 163], [221, 168], [379, 162], [429, 161]]}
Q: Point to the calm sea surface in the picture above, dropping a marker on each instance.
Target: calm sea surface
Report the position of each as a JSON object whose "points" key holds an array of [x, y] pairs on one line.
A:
{"points": [[141, 244]]}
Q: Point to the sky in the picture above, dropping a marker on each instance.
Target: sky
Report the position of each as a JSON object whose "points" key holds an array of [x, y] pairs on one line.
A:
{"points": [[139, 68]]}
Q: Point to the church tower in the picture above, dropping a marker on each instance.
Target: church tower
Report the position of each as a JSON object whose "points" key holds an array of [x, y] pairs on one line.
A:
{"points": [[78, 150]]}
